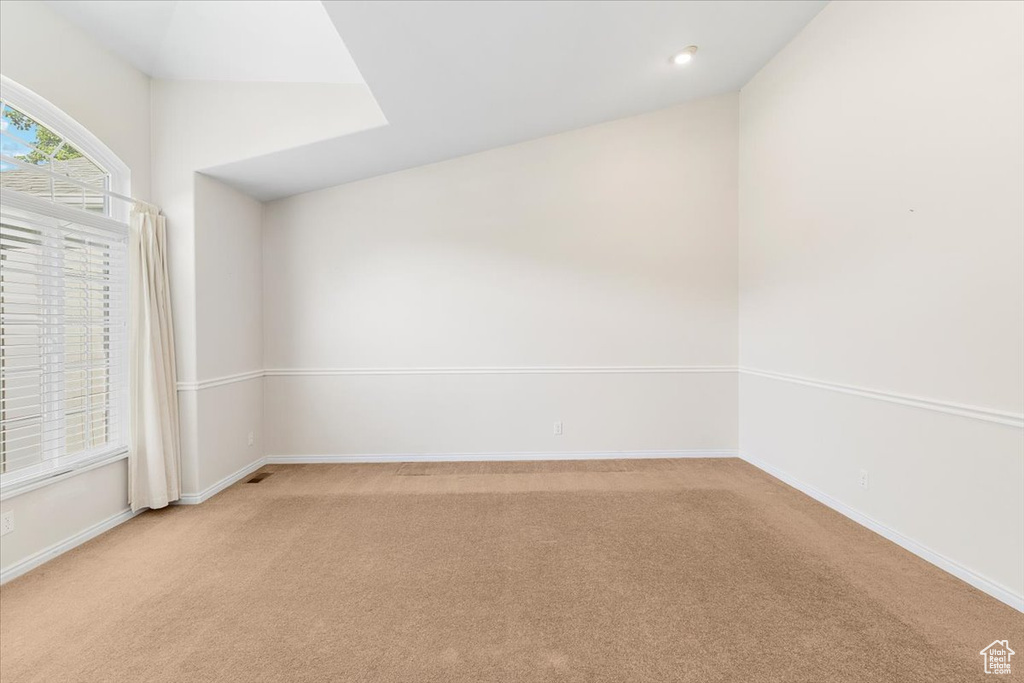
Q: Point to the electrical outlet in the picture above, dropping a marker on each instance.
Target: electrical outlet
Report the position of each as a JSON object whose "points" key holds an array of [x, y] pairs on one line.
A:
{"points": [[558, 428], [863, 479], [6, 522], [252, 438]]}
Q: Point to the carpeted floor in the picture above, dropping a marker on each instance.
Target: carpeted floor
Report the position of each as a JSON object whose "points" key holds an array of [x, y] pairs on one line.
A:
{"points": [[619, 571]]}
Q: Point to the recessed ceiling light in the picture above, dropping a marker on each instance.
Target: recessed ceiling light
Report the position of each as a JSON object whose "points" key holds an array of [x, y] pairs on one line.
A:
{"points": [[684, 56]]}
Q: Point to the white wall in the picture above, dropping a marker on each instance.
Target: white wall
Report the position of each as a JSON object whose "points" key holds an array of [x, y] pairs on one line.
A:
{"points": [[229, 274], [50, 56], [229, 331], [599, 248], [881, 243], [197, 125]]}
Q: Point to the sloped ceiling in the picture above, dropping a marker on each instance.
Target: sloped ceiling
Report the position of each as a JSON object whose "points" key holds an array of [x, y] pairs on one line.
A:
{"points": [[289, 41], [458, 77], [453, 78]]}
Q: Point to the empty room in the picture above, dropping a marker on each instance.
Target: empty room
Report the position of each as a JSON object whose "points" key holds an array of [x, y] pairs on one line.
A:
{"points": [[484, 341]]}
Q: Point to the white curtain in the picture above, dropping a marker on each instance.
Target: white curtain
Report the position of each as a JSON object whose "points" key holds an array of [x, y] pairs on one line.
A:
{"points": [[154, 461]]}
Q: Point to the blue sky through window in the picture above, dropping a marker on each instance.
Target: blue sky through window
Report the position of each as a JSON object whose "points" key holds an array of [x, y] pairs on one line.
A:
{"points": [[23, 139], [29, 135]]}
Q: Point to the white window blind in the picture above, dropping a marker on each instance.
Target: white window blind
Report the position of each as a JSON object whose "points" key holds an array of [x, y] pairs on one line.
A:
{"points": [[63, 361], [63, 293]]}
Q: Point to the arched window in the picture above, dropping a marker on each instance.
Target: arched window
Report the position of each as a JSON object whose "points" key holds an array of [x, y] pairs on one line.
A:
{"points": [[63, 293], [39, 140]]}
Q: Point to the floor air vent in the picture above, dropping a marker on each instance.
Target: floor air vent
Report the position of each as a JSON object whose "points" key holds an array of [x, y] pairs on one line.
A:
{"points": [[259, 477]]}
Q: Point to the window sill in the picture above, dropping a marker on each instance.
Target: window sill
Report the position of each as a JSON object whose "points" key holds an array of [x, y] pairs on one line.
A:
{"points": [[12, 489]]}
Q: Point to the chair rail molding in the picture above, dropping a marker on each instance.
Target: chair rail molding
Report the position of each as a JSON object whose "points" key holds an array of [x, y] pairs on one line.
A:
{"points": [[950, 408], [504, 370], [219, 381], [496, 370]]}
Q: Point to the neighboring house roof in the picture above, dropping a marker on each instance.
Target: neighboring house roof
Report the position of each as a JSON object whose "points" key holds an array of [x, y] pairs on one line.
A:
{"points": [[38, 184]]}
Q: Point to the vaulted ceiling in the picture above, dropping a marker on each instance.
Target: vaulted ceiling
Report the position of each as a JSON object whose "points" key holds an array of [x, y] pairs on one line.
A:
{"points": [[219, 40], [451, 77]]}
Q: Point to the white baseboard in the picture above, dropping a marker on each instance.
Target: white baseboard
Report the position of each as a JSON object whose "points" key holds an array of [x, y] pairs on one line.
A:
{"points": [[493, 457], [95, 530], [47, 554], [997, 591], [211, 491]]}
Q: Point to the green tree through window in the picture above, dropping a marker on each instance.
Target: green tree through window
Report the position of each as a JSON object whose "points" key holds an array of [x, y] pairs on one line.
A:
{"points": [[47, 143]]}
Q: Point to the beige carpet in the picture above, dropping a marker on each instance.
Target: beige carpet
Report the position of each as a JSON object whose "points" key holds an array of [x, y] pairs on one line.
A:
{"points": [[624, 571]]}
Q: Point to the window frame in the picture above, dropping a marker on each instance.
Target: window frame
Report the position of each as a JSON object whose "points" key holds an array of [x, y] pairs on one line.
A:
{"points": [[78, 135], [119, 183]]}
